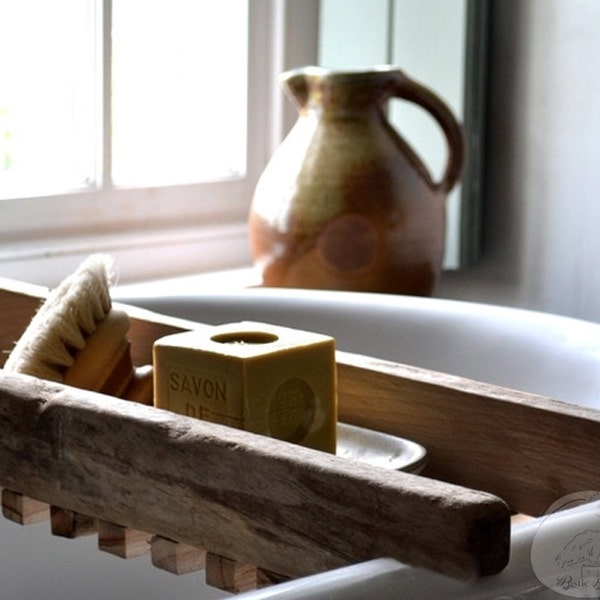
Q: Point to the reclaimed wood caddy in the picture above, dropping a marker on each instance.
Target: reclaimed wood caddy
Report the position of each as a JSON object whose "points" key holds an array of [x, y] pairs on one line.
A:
{"points": [[255, 511]]}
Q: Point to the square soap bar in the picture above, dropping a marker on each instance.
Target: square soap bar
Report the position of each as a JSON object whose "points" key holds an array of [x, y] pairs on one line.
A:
{"points": [[262, 378]]}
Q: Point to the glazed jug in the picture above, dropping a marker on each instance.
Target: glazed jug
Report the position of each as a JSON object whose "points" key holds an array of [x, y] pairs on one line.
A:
{"points": [[345, 203]]}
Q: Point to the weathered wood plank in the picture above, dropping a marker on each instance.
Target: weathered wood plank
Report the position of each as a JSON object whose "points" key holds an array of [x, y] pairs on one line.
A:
{"points": [[18, 303], [260, 501], [527, 449]]}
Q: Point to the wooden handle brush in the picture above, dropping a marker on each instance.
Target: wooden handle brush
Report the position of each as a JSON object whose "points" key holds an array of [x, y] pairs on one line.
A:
{"points": [[78, 339]]}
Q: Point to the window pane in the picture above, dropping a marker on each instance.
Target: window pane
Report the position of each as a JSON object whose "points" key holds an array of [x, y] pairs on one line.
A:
{"points": [[47, 96], [179, 93]]}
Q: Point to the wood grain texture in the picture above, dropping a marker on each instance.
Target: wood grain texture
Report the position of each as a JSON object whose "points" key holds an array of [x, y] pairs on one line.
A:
{"points": [[71, 524], [175, 557], [146, 327], [527, 449], [229, 575], [18, 303], [122, 541], [265, 578], [260, 501], [23, 510]]}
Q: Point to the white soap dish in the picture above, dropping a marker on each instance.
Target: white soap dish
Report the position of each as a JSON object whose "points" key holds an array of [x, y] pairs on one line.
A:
{"points": [[379, 449]]}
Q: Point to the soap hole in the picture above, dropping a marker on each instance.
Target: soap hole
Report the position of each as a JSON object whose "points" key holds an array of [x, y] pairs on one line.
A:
{"points": [[245, 337]]}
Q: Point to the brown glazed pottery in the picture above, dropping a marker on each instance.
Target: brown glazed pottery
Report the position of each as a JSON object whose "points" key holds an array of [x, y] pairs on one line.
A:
{"points": [[344, 202]]}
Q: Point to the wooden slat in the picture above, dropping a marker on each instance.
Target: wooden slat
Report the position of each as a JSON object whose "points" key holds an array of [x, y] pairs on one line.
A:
{"points": [[229, 575], [71, 524], [18, 303], [146, 327], [23, 510], [528, 449], [122, 541], [260, 501], [266, 578], [175, 557]]}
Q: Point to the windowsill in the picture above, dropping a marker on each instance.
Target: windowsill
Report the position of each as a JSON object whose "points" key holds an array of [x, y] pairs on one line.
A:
{"points": [[138, 256], [215, 281]]}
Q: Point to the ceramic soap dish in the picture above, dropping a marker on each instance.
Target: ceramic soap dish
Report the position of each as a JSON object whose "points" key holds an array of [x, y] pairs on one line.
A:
{"points": [[380, 449]]}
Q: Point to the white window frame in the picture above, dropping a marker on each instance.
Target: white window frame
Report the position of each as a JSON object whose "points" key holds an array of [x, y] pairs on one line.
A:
{"points": [[166, 231]]}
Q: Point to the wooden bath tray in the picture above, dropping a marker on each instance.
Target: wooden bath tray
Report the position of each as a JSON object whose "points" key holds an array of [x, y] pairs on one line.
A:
{"points": [[266, 510]]}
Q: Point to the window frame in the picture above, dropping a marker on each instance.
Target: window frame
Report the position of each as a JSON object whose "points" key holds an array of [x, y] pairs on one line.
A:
{"points": [[174, 230]]}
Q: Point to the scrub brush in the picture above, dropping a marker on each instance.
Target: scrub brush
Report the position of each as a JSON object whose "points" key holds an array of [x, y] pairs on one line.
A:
{"points": [[77, 338]]}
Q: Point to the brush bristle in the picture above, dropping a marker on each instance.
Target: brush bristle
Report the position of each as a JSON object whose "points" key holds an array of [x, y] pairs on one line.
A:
{"points": [[65, 320]]}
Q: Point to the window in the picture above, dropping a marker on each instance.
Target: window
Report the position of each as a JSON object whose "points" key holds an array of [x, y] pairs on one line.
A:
{"points": [[178, 115], [118, 132], [46, 97]]}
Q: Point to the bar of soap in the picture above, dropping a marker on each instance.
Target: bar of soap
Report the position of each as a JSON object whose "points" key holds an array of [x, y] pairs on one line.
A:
{"points": [[262, 378]]}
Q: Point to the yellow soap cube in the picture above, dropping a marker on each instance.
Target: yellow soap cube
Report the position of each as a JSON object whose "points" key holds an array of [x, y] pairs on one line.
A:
{"points": [[262, 378]]}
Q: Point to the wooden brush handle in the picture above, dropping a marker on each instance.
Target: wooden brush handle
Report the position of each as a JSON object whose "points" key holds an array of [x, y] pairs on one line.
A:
{"points": [[105, 352], [105, 365]]}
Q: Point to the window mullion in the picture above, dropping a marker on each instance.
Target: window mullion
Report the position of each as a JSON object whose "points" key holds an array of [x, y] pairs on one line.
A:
{"points": [[105, 78]]}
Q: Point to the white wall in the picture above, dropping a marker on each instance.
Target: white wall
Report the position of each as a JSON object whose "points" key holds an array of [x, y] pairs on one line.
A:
{"points": [[541, 244]]}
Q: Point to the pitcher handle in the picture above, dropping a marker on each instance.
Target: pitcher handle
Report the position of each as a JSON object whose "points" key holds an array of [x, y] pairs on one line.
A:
{"points": [[406, 88]]}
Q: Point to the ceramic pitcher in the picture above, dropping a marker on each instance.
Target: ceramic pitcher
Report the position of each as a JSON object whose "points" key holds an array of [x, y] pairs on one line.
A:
{"points": [[345, 203]]}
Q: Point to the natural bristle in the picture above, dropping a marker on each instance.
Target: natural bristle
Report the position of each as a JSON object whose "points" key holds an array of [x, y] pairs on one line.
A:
{"points": [[65, 320]]}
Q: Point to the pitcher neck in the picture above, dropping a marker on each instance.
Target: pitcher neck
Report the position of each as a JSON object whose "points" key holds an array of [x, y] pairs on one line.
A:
{"points": [[329, 91]]}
